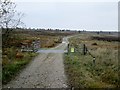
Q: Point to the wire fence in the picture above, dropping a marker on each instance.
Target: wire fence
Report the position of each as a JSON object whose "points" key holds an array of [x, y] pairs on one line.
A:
{"points": [[81, 49]]}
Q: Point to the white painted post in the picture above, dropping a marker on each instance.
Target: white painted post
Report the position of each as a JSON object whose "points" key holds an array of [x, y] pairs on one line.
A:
{"points": [[94, 61]]}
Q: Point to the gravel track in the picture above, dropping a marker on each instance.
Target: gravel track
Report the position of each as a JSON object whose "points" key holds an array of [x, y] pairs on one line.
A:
{"points": [[45, 71]]}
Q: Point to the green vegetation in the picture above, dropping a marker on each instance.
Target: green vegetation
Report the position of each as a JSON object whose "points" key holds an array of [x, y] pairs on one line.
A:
{"points": [[83, 73], [10, 67]]}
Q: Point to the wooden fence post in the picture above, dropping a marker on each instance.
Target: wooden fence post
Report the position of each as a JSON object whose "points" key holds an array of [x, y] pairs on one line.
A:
{"points": [[68, 47], [84, 49]]}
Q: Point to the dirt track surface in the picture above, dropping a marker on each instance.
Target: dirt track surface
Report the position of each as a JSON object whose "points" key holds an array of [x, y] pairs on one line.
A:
{"points": [[45, 71]]}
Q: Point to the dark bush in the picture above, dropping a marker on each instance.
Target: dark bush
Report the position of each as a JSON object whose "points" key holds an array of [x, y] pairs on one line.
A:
{"points": [[94, 43], [106, 38]]}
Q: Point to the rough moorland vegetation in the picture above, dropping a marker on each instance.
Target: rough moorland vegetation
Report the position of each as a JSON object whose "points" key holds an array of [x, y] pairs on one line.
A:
{"points": [[82, 72]]}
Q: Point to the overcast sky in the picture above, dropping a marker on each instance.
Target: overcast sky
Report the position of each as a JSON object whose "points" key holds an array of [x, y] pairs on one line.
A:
{"points": [[69, 14]]}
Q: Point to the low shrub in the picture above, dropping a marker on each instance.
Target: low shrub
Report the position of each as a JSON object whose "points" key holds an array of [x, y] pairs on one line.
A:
{"points": [[94, 43]]}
